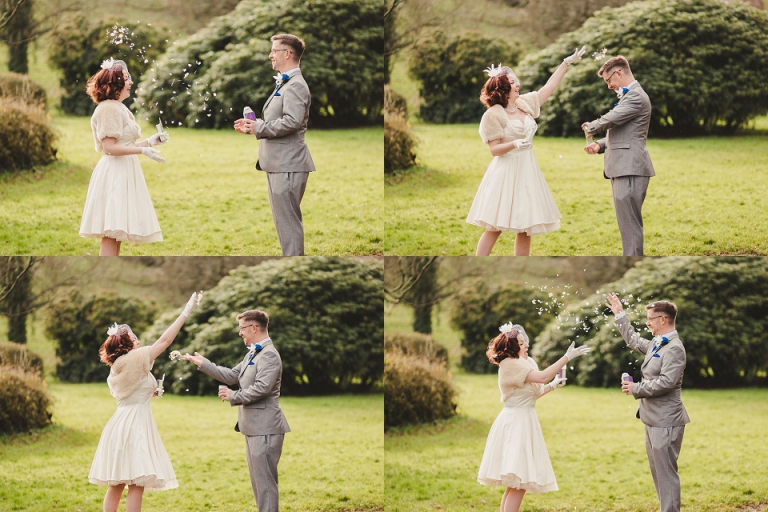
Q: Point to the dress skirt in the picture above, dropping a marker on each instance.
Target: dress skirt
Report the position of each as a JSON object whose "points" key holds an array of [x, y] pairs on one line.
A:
{"points": [[515, 454]]}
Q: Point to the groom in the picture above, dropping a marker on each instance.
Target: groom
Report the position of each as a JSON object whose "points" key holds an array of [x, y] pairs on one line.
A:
{"points": [[283, 154], [260, 418], [627, 162], [661, 408]]}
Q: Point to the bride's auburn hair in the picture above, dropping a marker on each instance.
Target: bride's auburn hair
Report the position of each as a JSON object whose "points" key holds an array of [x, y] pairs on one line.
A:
{"points": [[503, 346], [116, 345], [107, 84], [496, 91]]}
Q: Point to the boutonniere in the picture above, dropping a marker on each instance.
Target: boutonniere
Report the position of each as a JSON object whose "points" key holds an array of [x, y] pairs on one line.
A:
{"points": [[255, 348], [621, 92], [281, 78]]}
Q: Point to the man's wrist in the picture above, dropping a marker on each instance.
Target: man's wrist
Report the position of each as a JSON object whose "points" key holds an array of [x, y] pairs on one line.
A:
{"points": [[620, 314]]}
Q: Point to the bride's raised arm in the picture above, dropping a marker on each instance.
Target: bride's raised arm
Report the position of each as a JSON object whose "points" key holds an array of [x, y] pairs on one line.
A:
{"points": [[165, 340], [547, 374], [554, 80]]}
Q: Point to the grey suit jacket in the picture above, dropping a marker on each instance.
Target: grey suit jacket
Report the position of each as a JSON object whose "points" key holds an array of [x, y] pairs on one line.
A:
{"points": [[282, 127], [659, 391], [626, 127], [260, 413]]}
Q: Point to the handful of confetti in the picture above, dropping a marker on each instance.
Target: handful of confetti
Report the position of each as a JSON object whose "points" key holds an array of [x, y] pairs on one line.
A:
{"points": [[175, 355], [600, 54]]}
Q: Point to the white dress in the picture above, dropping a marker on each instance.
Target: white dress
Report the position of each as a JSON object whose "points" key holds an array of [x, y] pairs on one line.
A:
{"points": [[513, 194], [118, 204], [130, 450], [515, 453]]}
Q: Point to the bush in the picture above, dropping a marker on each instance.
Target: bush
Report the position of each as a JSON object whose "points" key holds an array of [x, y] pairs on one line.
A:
{"points": [[78, 48], [80, 324], [27, 136], [450, 75], [416, 390], [24, 401], [18, 355], [207, 79], [15, 85], [417, 344], [479, 312], [399, 144], [702, 62], [722, 320], [326, 319], [395, 103]]}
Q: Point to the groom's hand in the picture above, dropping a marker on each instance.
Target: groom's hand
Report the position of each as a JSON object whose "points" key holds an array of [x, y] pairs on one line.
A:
{"points": [[615, 304], [592, 149], [197, 358], [224, 394], [626, 387]]}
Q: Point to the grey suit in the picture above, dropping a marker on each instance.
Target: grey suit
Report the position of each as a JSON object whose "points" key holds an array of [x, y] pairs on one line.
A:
{"points": [[284, 156], [661, 409], [627, 163], [260, 418]]}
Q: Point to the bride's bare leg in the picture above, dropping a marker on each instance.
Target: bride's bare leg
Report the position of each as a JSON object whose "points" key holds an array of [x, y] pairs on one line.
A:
{"points": [[112, 499], [486, 243], [512, 500], [522, 245], [109, 247], [133, 501]]}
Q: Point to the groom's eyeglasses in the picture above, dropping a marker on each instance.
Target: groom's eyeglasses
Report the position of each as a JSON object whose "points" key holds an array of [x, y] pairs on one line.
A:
{"points": [[608, 79], [279, 50], [244, 326], [654, 317]]}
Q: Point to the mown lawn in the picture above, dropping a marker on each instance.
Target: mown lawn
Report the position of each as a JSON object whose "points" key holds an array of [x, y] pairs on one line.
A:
{"points": [[597, 450], [709, 196], [332, 459], [209, 198]]}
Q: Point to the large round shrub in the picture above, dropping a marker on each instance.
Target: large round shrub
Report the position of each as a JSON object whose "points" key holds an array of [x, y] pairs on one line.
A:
{"points": [[722, 320], [79, 46], [79, 325], [26, 134], [19, 355], [399, 144], [326, 320], [450, 75], [416, 390], [205, 80], [703, 63], [478, 313], [24, 401], [16, 85]]}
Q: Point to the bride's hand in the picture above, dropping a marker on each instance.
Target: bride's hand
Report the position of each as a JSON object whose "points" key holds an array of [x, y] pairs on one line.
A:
{"points": [[522, 144], [153, 153], [158, 139], [192, 302], [576, 55]]}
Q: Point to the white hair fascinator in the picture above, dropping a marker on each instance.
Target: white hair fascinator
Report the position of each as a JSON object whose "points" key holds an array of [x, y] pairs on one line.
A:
{"points": [[509, 327], [107, 64], [494, 71], [114, 328], [111, 62]]}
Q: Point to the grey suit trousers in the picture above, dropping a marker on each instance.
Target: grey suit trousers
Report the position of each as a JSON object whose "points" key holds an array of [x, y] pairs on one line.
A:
{"points": [[662, 444], [628, 196], [285, 192], [263, 454]]}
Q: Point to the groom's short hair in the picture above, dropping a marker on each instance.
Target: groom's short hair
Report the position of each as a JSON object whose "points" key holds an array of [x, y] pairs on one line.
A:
{"points": [[617, 62], [664, 307], [257, 316], [296, 44]]}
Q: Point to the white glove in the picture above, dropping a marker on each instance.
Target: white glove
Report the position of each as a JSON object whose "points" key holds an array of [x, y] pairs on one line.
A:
{"points": [[158, 139], [522, 144], [557, 382], [193, 300], [576, 55], [153, 153], [576, 351]]}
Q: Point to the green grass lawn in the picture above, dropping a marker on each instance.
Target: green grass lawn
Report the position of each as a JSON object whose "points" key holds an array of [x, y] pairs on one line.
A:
{"points": [[209, 198], [597, 450], [332, 458], [709, 196]]}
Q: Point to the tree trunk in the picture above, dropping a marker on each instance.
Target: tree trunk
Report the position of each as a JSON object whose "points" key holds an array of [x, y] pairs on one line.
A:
{"points": [[422, 321], [17, 328], [17, 59]]}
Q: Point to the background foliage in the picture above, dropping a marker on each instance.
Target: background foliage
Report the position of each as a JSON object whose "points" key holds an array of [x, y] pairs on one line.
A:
{"points": [[478, 312], [79, 46], [27, 136], [207, 79], [722, 318], [449, 72], [326, 320], [79, 324], [703, 63]]}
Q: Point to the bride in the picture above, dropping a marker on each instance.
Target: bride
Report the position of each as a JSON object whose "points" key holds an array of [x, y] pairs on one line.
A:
{"points": [[130, 450], [513, 195]]}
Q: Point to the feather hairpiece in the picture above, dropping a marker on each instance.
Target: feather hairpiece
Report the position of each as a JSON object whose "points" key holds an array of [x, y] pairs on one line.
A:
{"points": [[107, 64], [113, 329], [494, 71]]}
